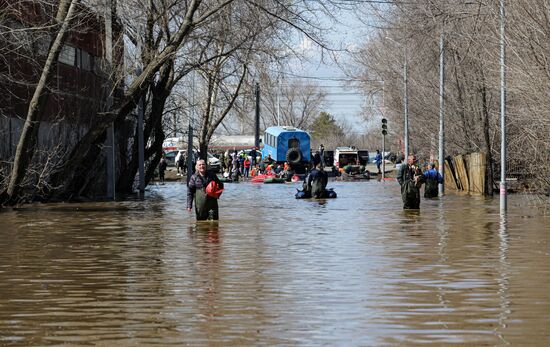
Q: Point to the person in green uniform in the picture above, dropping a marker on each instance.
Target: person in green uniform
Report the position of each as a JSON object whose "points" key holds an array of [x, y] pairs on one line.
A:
{"points": [[410, 178], [206, 207]]}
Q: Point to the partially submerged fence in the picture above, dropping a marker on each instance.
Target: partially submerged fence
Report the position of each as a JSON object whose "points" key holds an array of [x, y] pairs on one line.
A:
{"points": [[466, 172]]}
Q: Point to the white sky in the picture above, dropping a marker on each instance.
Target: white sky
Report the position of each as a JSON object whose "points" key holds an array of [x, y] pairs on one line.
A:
{"points": [[343, 102]]}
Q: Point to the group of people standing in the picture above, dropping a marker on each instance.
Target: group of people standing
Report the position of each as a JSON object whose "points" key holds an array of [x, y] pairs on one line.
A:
{"points": [[235, 165], [411, 178]]}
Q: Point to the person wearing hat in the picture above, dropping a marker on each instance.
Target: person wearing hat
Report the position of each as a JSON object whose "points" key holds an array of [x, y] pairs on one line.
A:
{"points": [[206, 206], [410, 178], [432, 177], [315, 183]]}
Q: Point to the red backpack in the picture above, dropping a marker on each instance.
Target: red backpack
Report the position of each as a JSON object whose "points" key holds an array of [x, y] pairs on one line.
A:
{"points": [[213, 189]]}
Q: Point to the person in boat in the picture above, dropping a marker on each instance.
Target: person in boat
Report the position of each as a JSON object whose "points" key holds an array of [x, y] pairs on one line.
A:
{"points": [[433, 178], [287, 171], [315, 183], [410, 178], [206, 207]]}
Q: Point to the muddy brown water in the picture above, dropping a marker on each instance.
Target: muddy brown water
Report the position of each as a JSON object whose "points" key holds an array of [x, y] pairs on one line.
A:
{"points": [[352, 271]]}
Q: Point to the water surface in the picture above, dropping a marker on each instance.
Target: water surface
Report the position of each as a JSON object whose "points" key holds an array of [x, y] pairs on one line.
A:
{"points": [[351, 271]]}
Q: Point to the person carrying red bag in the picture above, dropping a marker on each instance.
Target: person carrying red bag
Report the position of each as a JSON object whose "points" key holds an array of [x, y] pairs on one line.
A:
{"points": [[206, 200]]}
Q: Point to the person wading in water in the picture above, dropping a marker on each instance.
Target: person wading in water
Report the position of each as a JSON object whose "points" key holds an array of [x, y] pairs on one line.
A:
{"points": [[206, 207], [410, 178], [433, 179]]}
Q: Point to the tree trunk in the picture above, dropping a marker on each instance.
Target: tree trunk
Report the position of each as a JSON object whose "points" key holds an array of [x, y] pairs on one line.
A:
{"points": [[87, 151], [159, 94], [486, 137]]}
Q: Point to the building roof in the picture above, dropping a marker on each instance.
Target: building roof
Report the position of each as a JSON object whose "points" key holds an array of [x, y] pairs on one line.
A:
{"points": [[277, 130]]}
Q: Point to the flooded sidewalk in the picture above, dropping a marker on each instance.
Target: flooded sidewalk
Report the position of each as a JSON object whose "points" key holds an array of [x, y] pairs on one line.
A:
{"points": [[351, 271]]}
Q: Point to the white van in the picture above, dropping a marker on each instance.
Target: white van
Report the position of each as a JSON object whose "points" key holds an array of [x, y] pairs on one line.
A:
{"points": [[344, 156]]}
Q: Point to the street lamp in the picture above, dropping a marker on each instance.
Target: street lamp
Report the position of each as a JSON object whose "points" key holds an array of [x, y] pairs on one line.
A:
{"points": [[441, 186], [405, 95], [503, 197]]}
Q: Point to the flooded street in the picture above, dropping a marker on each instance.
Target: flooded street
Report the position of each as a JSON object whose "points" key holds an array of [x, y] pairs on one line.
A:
{"points": [[351, 271]]}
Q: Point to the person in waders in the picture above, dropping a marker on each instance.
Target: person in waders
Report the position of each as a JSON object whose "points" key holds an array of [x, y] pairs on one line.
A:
{"points": [[316, 181], [410, 178], [433, 178], [162, 168], [206, 207]]}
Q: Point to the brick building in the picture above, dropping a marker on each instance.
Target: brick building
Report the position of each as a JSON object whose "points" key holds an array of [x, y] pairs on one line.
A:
{"points": [[80, 85]]}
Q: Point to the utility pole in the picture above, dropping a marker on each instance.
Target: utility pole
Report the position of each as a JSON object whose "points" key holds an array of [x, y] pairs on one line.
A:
{"points": [[278, 103], [405, 94], [441, 186], [190, 130], [406, 101], [384, 133], [257, 118], [503, 154], [110, 145]]}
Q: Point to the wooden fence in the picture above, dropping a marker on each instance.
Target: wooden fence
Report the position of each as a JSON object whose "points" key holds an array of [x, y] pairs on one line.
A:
{"points": [[466, 173]]}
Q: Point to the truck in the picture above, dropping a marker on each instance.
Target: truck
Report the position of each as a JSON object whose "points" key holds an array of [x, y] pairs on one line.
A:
{"points": [[290, 144], [351, 157]]}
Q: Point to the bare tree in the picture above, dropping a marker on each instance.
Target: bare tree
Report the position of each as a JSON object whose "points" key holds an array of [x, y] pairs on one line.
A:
{"points": [[27, 140]]}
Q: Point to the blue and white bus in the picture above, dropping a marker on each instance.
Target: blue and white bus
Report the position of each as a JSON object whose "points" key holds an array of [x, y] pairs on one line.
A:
{"points": [[285, 143]]}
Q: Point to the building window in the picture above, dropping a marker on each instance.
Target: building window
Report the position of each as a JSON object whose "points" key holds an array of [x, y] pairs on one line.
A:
{"points": [[83, 60], [67, 55]]}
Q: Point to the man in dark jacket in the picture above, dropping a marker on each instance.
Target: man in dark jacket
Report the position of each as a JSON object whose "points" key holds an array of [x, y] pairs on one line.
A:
{"points": [[410, 178], [206, 207], [315, 183]]}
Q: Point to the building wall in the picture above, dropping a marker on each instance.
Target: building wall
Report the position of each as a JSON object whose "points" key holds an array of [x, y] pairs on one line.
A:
{"points": [[78, 91]]}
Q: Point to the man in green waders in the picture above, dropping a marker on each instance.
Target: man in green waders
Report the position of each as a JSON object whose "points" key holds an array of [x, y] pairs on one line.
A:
{"points": [[206, 207], [410, 178]]}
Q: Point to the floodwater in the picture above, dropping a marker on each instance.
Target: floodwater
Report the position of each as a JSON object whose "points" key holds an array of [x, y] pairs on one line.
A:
{"points": [[352, 271]]}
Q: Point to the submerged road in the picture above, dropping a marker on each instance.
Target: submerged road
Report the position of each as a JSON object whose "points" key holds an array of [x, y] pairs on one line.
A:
{"points": [[352, 271]]}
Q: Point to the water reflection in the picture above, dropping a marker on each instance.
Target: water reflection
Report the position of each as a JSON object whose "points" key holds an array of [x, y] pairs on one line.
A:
{"points": [[503, 281], [354, 271]]}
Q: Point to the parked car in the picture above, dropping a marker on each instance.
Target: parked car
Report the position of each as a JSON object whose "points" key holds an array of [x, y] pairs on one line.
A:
{"points": [[171, 157], [247, 152], [214, 163]]}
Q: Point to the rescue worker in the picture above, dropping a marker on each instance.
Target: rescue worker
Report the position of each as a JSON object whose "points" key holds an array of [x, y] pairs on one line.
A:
{"points": [[315, 183], [378, 160], [410, 178], [432, 177], [206, 207]]}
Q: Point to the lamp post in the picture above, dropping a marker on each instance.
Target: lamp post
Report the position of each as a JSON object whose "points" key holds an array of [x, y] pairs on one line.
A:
{"points": [[384, 133], [441, 160], [405, 95], [503, 197]]}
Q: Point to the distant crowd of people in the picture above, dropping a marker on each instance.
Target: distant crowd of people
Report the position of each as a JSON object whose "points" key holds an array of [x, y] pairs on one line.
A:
{"points": [[236, 166]]}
